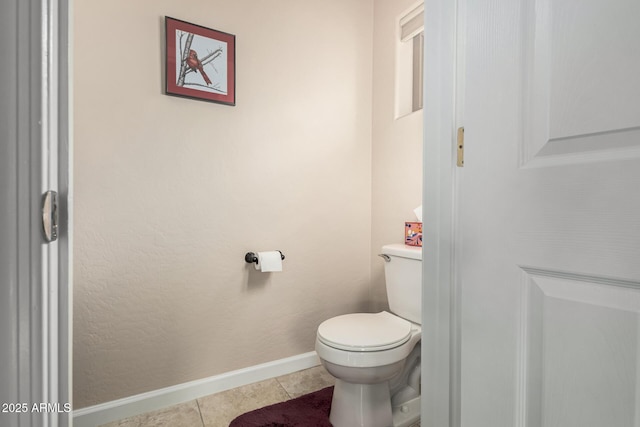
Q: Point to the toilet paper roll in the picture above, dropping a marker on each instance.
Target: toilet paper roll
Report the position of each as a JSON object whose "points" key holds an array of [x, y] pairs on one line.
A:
{"points": [[269, 261]]}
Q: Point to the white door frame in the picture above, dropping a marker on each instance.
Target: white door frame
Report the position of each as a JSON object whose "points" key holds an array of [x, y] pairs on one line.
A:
{"points": [[440, 326], [35, 156]]}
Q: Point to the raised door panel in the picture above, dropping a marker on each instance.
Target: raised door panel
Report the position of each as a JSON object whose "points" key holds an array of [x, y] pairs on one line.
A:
{"points": [[579, 60], [579, 342]]}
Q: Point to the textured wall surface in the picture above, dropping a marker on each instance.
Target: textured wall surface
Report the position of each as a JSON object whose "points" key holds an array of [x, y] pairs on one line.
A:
{"points": [[396, 147], [171, 192]]}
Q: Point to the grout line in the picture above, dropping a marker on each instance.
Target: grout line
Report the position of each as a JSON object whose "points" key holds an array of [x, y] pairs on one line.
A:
{"points": [[200, 412], [283, 388]]}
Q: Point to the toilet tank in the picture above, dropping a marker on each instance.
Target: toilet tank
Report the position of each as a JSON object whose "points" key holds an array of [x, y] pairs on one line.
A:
{"points": [[403, 276]]}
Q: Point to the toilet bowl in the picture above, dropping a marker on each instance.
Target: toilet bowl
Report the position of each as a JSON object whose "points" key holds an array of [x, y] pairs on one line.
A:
{"points": [[364, 352], [375, 357]]}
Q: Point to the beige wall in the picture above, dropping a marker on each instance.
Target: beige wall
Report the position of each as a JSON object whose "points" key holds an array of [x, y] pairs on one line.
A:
{"points": [[396, 148], [170, 193]]}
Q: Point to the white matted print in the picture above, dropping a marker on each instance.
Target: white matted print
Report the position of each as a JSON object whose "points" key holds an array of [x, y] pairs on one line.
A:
{"points": [[200, 62]]}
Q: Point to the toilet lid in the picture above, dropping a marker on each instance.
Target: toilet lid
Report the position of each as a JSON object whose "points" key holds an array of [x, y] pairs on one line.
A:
{"points": [[364, 331]]}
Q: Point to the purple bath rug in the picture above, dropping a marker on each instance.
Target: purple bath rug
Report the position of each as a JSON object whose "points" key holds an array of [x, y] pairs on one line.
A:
{"points": [[310, 410]]}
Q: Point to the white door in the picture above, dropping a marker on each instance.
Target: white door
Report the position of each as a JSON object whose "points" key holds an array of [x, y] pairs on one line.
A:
{"points": [[547, 241]]}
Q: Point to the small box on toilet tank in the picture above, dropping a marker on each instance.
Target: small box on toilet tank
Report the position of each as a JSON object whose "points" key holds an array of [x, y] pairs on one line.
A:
{"points": [[413, 233]]}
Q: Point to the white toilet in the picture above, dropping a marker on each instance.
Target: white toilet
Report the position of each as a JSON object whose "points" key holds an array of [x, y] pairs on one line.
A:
{"points": [[375, 357]]}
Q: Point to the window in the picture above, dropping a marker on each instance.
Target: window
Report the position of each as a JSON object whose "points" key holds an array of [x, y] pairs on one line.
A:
{"points": [[409, 65]]}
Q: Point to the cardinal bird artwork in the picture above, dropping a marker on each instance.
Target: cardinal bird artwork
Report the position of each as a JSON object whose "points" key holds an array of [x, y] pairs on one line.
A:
{"points": [[194, 63], [200, 62]]}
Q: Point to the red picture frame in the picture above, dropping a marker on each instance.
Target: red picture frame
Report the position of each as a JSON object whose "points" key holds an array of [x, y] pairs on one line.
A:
{"points": [[200, 62]]}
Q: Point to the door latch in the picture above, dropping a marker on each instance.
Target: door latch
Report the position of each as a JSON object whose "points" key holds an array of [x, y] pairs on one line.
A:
{"points": [[50, 216]]}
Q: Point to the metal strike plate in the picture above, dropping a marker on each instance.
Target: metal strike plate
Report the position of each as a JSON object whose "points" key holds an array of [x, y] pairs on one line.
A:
{"points": [[50, 216], [460, 150]]}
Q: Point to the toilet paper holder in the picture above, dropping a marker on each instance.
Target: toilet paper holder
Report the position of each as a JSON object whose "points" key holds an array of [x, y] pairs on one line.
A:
{"points": [[251, 257]]}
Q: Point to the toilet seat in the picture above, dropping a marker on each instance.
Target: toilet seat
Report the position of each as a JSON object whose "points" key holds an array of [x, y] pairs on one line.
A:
{"points": [[365, 332]]}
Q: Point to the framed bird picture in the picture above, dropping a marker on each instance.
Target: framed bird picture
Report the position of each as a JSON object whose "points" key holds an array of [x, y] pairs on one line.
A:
{"points": [[201, 62]]}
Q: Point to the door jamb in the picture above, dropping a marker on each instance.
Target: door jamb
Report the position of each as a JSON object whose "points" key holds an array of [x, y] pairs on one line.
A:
{"points": [[440, 403], [55, 172]]}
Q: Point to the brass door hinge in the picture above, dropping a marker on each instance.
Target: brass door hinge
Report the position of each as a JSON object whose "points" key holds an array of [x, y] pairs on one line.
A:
{"points": [[460, 150]]}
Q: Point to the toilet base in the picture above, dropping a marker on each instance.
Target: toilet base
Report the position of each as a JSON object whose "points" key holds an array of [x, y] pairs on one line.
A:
{"points": [[361, 405], [407, 414]]}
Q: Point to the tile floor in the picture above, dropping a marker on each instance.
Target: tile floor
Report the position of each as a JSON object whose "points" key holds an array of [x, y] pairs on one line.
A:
{"points": [[218, 410]]}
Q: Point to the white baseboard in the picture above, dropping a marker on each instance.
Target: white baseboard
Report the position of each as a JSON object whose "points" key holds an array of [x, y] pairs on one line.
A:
{"points": [[93, 416]]}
